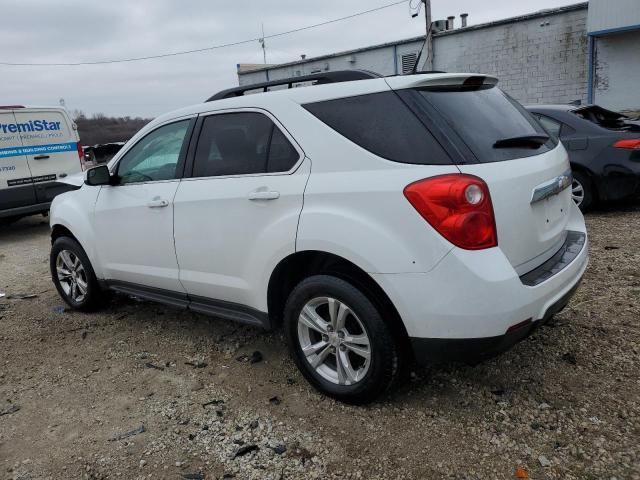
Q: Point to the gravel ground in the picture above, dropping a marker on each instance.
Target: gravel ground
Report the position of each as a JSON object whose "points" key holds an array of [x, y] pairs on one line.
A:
{"points": [[143, 391]]}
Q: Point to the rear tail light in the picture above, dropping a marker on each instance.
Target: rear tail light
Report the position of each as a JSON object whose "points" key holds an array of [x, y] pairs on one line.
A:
{"points": [[458, 207], [80, 155], [628, 144]]}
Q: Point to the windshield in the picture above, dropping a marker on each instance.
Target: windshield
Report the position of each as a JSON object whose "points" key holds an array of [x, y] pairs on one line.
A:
{"points": [[483, 117]]}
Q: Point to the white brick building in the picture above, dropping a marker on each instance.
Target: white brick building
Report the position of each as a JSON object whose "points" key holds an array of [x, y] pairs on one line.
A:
{"points": [[550, 56]]}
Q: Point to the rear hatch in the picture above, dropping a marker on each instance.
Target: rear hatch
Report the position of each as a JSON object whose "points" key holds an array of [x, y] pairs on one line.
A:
{"points": [[493, 137]]}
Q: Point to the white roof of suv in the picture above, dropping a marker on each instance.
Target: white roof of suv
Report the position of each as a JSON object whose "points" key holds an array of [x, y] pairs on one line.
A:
{"points": [[316, 93]]}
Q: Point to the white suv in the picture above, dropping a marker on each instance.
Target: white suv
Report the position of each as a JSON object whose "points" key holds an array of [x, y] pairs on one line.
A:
{"points": [[379, 221]]}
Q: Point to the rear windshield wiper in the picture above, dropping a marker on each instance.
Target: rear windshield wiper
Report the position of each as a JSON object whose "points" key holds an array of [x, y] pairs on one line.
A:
{"points": [[524, 141]]}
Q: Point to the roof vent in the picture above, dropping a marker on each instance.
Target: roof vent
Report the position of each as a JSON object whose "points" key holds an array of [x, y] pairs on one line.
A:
{"points": [[408, 62]]}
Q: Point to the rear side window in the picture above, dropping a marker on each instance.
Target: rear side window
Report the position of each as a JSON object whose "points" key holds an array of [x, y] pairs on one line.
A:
{"points": [[552, 126], [483, 116], [241, 144], [382, 124]]}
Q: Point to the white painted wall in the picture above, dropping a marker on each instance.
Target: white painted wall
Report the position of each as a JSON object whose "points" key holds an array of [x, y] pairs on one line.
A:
{"points": [[617, 71], [540, 60]]}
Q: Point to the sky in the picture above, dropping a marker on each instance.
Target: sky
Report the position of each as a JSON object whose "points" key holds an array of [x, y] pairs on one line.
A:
{"points": [[72, 31]]}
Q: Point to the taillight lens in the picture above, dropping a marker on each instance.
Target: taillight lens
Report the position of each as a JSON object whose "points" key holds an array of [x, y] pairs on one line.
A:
{"points": [[628, 144], [459, 207], [80, 155]]}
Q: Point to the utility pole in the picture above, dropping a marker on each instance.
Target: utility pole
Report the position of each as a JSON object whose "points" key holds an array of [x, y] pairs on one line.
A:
{"points": [[428, 63], [426, 51]]}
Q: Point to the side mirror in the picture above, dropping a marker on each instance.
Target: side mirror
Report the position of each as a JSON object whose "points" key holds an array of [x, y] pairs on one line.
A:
{"points": [[97, 176]]}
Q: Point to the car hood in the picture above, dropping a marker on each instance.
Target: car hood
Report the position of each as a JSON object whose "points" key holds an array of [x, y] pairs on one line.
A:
{"points": [[77, 179]]}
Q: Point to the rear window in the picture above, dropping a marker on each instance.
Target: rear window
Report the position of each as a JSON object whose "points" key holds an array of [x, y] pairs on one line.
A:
{"points": [[382, 124], [482, 116]]}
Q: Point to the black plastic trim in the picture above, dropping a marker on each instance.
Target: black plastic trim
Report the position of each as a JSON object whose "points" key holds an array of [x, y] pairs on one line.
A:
{"points": [[28, 210], [167, 297], [215, 308], [229, 311], [320, 78], [474, 350], [570, 249]]}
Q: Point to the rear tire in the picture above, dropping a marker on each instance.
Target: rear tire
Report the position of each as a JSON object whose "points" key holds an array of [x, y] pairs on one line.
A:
{"points": [[73, 275], [582, 191], [351, 354]]}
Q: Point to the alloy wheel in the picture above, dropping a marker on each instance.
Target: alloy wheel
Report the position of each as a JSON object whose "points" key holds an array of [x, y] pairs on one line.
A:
{"points": [[72, 276], [577, 192], [334, 341]]}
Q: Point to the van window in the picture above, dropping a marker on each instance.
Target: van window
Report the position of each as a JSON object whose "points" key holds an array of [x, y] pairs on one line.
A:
{"points": [[242, 143], [382, 124], [155, 157]]}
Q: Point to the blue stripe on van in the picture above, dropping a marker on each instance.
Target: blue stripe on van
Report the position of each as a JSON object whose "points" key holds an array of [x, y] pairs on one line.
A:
{"points": [[51, 148]]}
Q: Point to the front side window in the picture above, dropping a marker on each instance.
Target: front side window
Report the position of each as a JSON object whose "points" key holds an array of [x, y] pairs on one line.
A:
{"points": [[155, 157], [242, 143]]}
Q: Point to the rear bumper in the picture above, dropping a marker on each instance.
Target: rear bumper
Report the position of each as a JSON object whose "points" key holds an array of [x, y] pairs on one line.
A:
{"points": [[468, 306], [473, 350]]}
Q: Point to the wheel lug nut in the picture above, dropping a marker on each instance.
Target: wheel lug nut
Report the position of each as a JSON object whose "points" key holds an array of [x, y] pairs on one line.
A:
{"points": [[343, 348], [325, 337], [329, 328], [340, 334]]}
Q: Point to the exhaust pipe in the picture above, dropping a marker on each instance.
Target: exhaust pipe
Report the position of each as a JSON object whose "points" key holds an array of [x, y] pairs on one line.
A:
{"points": [[463, 18], [450, 22]]}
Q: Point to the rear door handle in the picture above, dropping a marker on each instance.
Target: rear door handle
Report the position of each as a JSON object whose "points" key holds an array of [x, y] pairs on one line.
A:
{"points": [[264, 195], [41, 157], [157, 203]]}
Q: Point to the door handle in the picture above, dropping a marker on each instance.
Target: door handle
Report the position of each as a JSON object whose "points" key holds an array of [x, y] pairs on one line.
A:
{"points": [[157, 203], [264, 195], [41, 157]]}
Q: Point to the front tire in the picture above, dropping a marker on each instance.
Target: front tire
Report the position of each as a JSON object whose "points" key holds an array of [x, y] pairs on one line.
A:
{"points": [[73, 275], [339, 340]]}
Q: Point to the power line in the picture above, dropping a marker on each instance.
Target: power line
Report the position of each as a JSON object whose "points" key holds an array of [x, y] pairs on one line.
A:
{"points": [[205, 49]]}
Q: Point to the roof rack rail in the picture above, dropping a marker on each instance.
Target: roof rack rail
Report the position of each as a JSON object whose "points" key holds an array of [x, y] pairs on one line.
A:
{"points": [[319, 78]]}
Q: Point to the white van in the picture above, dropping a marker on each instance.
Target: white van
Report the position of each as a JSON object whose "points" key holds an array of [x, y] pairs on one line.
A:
{"points": [[38, 147]]}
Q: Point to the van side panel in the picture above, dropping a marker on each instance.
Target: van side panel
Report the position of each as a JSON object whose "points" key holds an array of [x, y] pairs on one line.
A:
{"points": [[51, 145], [16, 189]]}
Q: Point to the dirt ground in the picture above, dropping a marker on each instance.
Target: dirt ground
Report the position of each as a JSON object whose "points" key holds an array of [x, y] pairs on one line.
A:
{"points": [[77, 390]]}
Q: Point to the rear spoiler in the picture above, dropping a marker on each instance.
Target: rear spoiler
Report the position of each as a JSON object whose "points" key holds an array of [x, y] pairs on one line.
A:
{"points": [[441, 80]]}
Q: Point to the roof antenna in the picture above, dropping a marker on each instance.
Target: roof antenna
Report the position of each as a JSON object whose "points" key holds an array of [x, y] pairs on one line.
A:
{"points": [[264, 46]]}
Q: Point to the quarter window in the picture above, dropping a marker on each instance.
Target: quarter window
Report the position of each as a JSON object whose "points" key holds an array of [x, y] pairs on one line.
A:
{"points": [[551, 126], [382, 124], [240, 144], [155, 157]]}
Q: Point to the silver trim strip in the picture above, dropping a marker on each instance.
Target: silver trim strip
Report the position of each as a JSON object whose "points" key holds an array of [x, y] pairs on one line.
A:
{"points": [[552, 187]]}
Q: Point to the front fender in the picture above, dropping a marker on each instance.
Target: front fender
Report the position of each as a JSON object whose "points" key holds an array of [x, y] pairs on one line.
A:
{"points": [[74, 211]]}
